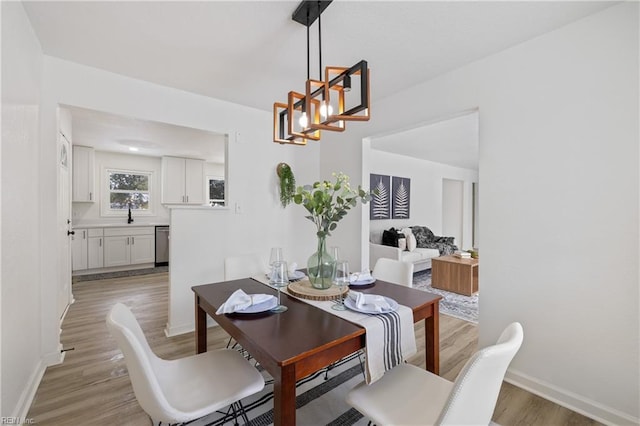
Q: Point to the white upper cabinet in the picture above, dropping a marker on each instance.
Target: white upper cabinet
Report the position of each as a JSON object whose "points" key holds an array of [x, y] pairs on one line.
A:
{"points": [[83, 175], [182, 181], [194, 181], [173, 180]]}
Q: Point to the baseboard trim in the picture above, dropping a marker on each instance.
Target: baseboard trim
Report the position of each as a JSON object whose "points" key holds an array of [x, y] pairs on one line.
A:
{"points": [[171, 331], [29, 392], [570, 400]]}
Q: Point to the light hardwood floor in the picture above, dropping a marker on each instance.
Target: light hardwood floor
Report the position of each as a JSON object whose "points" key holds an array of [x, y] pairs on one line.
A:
{"points": [[91, 386]]}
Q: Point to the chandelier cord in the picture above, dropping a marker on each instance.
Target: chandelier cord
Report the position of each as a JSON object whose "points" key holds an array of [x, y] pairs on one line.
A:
{"points": [[308, 72], [319, 43]]}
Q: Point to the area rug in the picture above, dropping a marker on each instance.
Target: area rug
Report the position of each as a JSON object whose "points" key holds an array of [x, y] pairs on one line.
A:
{"points": [[453, 304], [320, 399]]}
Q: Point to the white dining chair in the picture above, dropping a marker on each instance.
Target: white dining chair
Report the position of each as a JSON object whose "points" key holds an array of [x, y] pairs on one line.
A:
{"points": [[243, 266], [409, 395], [181, 390], [394, 271]]}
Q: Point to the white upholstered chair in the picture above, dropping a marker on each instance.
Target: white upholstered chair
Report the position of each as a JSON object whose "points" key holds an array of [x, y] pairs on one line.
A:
{"points": [[176, 391], [408, 395], [394, 271], [243, 266]]}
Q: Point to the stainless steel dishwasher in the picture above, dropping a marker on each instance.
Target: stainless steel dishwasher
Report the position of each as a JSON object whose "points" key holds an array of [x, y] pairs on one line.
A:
{"points": [[162, 245]]}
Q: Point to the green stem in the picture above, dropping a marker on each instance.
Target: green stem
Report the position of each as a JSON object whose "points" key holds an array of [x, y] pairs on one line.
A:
{"points": [[321, 246]]}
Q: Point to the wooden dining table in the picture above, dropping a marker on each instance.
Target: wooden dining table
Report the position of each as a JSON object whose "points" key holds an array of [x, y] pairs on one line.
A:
{"points": [[304, 339]]}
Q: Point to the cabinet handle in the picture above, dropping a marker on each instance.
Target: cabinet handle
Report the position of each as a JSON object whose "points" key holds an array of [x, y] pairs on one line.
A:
{"points": [[100, 241], [187, 198], [133, 240], [91, 196], [127, 240], [84, 235]]}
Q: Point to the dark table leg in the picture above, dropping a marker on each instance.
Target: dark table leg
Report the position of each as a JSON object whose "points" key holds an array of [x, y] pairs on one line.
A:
{"points": [[201, 328], [432, 340], [284, 397]]}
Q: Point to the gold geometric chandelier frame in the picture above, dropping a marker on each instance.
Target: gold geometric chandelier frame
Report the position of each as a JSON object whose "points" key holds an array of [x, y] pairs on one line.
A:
{"points": [[325, 105]]}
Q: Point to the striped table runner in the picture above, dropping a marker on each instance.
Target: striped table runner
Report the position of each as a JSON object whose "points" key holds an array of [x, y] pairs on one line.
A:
{"points": [[390, 338]]}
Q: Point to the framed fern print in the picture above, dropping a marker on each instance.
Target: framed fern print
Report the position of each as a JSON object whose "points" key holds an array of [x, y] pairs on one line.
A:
{"points": [[401, 197], [380, 205]]}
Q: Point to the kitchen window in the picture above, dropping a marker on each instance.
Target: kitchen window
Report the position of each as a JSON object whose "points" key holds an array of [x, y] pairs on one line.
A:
{"points": [[128, 189], [216, 191]]}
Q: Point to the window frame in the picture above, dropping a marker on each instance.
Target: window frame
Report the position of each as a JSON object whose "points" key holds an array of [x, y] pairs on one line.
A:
{"points": [[106, 209]]}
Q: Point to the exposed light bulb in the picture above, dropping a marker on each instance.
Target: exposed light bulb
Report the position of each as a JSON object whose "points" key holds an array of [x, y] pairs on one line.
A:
{"points": [[303, 120], [325, 109]]}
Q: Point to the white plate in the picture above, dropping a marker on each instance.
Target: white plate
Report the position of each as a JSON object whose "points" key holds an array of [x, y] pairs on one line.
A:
{"points": [[260, 307], [295, 276], [349, 303], [363, 282]]}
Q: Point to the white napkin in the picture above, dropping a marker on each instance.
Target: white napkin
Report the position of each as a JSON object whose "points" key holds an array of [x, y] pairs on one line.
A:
{"points": [[357, 277], [240, 300], [369, 302]]}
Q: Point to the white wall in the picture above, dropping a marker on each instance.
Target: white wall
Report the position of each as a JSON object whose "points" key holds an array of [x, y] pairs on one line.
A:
{"points": [[559, 212], [558, 135], [215, 169], [87, 213], [426, 191], [453, 209], [197, 250], [21, 365], [202, 238]]}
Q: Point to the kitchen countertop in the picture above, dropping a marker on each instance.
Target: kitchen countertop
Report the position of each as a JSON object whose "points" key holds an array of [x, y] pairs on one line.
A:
{"points": [[118, 225]]}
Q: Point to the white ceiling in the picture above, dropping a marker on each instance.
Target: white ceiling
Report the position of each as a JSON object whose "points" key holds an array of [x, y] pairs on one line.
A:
{"points": [[453, 141], [115, 133], [253, 54]]}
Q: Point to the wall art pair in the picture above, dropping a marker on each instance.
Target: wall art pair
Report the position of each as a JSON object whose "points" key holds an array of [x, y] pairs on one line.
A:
{"points": [[392, 200]]}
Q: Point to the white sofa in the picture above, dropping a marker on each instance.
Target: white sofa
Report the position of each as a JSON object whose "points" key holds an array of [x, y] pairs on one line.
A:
{"points": [[420, 257]]}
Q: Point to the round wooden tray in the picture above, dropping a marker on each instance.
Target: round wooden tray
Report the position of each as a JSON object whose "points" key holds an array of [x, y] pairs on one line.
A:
{"points": [[305, 290]]}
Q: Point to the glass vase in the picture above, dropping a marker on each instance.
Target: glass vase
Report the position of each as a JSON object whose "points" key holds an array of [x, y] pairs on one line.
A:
{"points": [[320, 267]]}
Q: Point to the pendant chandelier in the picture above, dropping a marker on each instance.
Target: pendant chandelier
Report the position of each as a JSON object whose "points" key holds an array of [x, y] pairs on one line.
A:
{"points": [[327, 104]]}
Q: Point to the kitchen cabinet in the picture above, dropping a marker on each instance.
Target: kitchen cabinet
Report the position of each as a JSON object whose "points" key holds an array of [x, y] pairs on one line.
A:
{"points": [[95, 248], [183, 181], [128, 246], [79, 244], [83, 174]]}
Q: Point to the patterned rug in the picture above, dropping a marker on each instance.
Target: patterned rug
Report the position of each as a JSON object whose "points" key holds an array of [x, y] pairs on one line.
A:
{"points": [[453, 304], [320, 400]]}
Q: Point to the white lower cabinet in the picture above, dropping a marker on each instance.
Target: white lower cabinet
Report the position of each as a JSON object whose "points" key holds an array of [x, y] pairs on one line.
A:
{"points": [[79, 241], [95, 248], [143, 249], [128, 246]]}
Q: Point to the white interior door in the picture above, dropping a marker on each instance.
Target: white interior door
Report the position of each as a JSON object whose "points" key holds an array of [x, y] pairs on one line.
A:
{"points": [[64, 223]]}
